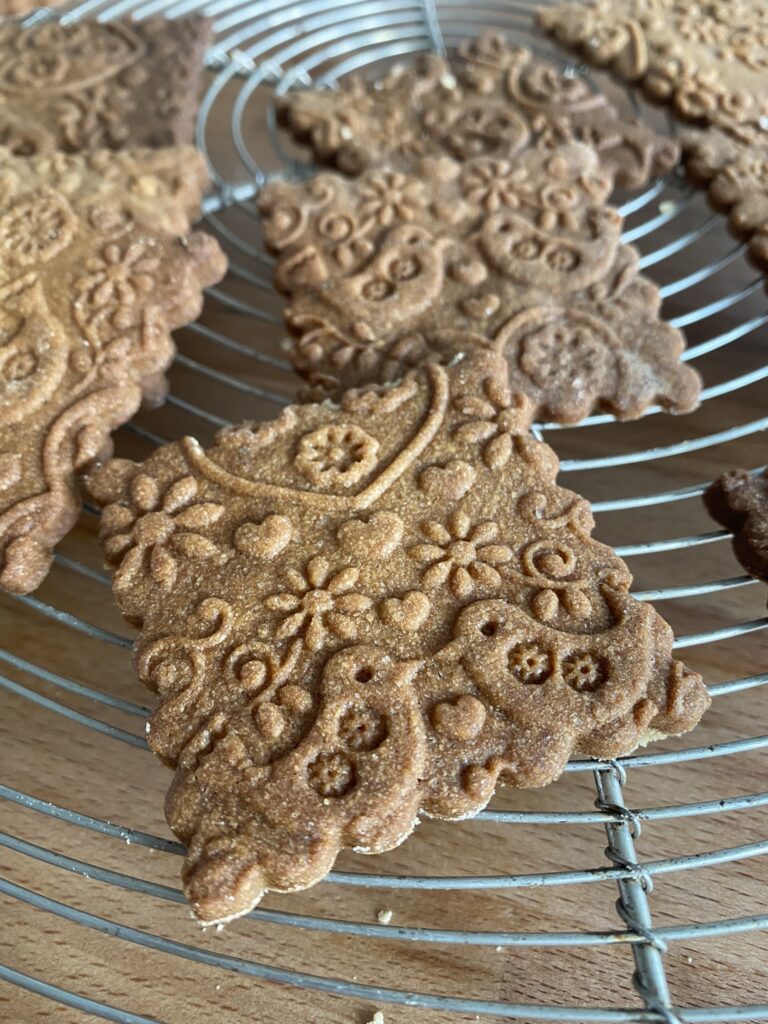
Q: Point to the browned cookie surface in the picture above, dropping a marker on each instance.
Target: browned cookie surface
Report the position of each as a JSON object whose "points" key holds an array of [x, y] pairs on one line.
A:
{"points": [[709, 61], [96, 268], [88, 84], [13, 8], [738, 500], [387, 270], [360, 613], [490, 98]]}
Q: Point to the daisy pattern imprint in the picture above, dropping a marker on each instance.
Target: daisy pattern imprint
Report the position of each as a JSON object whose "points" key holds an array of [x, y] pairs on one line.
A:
{"points": [[390, 270], [335, 653]]}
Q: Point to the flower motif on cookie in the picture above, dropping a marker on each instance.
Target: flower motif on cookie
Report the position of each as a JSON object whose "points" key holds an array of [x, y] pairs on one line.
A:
{"points": [[108, 298], [37, 228], [337, 455], [496, 419], [462, 556], [151, 538], [320, 605], [390, 198], [566, 356]]}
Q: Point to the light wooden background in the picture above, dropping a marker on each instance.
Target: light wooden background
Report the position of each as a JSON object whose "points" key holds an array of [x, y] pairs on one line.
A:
{"points": [[45, 755]]}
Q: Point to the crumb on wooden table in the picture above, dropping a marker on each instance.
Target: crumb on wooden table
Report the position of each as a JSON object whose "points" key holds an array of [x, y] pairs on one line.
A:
{"points": [[384, 917]]}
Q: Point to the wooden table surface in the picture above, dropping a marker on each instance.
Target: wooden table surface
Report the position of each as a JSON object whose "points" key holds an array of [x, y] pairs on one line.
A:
{"points": [[53, 758]]}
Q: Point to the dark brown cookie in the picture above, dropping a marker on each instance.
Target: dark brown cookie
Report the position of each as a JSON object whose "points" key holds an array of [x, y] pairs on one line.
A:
{"points": [[96, 268], [491, 98], [387, 270], [739, 501], [361, 613], [709, 61], [91, 84]]}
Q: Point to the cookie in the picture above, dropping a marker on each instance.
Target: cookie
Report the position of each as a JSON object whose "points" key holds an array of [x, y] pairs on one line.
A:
{"points": [[13, 8], [738, 500], [96, 268], [490, 98], [362, 613], [709, 61], [736, 175], [91, 84], [387, 270]]}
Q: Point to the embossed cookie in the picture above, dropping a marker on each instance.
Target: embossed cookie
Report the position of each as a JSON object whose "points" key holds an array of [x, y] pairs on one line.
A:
{"points": [[490, 98], [520, 256], [91, 84], [739, 501], [96, 268], [709, 61], [361, 613]]}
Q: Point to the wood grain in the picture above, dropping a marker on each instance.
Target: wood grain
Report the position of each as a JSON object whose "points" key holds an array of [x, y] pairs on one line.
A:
{"points": [[44, 754]]}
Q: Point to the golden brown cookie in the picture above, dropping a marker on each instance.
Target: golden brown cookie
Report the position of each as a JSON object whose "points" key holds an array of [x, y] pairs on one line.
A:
{"points": [[709, 61], [738, 500], [361, 613], [387, 270], [13, 8], [91, 84], [96, 268], [490, 98]]}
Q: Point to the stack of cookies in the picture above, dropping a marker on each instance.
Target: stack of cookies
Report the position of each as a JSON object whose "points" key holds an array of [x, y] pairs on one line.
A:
{"points": [[381, 605], [97, 262]]}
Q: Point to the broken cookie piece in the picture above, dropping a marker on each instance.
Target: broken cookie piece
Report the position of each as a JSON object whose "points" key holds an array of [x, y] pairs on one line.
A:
{"points": [[738, 500], [388, 270], [489, 98], [96, 268], [362, 613]]}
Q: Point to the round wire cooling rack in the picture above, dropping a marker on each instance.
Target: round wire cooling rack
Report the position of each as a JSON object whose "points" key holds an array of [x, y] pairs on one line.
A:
{"points": [[507, 916]]}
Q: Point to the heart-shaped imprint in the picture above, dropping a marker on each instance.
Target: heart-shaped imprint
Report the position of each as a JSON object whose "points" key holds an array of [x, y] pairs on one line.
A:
{"points": [[481, 306], [451, 481], [461, 719], [408, 613], [380, 535], [265, 539]]}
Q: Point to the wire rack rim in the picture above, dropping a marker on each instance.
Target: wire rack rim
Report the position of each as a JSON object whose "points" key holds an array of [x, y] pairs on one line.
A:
{"points": [[130, 883], [339, 987]]}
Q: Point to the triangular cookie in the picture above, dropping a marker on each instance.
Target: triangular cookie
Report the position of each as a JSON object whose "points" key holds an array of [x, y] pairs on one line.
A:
{"points": [[488, 98], [361, 613], [521, 256]]}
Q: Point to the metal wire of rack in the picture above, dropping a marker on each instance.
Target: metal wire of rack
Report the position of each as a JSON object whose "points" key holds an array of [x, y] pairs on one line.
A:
{"points": [[266, 47]]}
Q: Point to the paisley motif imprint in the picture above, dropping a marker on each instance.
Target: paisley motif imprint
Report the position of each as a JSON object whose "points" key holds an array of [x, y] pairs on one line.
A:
{"points": [[92, 279], [709, 61], [389, 271], [347, 660], [489, 98], [87, 84]]}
